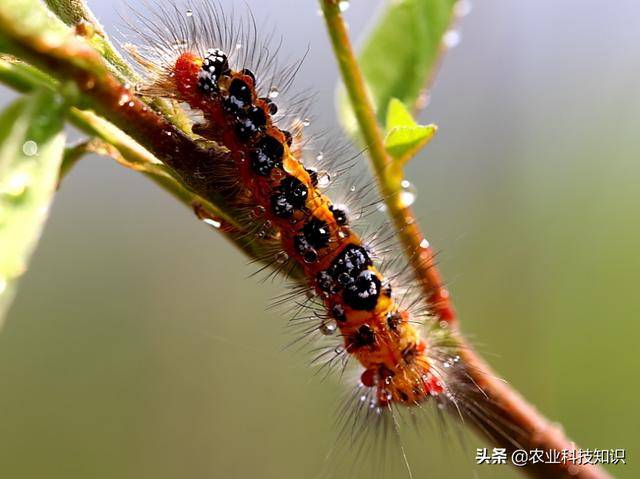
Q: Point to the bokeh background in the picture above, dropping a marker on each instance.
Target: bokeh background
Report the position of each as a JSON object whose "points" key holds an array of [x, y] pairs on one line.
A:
{"points": [[139, 348]]}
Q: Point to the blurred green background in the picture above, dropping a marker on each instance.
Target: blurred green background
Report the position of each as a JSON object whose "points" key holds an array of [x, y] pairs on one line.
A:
{"points": [[139, 348]]}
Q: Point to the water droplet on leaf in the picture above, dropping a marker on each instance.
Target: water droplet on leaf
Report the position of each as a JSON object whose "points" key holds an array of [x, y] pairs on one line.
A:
{"points": [[30, 148]]}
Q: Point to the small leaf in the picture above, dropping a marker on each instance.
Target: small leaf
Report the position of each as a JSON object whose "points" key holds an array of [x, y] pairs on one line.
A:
{"points": [[31, 149], [398, 115], [404, 136], [401, 54]]}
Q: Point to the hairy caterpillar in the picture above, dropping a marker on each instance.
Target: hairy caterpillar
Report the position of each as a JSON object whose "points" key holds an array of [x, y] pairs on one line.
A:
{"points": [[226, 77]]}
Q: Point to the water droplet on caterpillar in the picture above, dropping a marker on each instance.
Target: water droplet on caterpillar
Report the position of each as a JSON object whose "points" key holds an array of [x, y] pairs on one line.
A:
{"points": [[343, 5], [211, 222], [189, 13], [30, 148], [274, 92], [282, 257], [407, 194], [306, 122], [258, 211], [424, 243], [352, 188], [381, 206], [324, 179], [327, 328], [320, 156]]}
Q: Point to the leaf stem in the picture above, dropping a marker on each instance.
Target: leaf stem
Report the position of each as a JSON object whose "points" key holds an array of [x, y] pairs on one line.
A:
{"points": [[499, 402], [387, 172]]}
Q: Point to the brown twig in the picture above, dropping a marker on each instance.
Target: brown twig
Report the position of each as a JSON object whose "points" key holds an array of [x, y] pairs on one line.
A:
{"points": [[497, 398]]}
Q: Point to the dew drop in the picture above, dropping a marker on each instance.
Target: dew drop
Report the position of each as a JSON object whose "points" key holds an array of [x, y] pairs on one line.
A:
{"points": [[306, 122], [343, 5], [30, 148], [408, 193], [282, 257], [16, 184], [124, 99], [258, 211], [238, 46], [381, 206], [327, 328], [462, 8], [424, 243], [352, 188], [211, 222], [323, 179], [320, 156], [274, 92], [189, 13], [339, 350], [451, 38]]}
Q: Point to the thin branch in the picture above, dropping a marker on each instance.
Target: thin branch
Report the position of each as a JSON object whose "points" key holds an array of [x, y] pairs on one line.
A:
{"points": [[388, 173], [497, 399]]}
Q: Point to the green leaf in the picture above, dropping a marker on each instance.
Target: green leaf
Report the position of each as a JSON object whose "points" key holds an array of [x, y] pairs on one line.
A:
{"points": [[401, 54], [405, 137], [31, 149]]}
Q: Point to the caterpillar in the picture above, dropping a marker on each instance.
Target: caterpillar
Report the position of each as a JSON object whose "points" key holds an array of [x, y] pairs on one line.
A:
{"points": [[223, 73]]}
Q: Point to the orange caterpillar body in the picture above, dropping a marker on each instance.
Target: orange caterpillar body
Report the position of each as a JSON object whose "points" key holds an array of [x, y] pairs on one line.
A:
{"points": [[312, 230]]}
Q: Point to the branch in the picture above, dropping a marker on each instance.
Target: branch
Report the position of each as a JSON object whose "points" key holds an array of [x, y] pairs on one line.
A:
{"points": [[150, 135], [496, 398]]}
